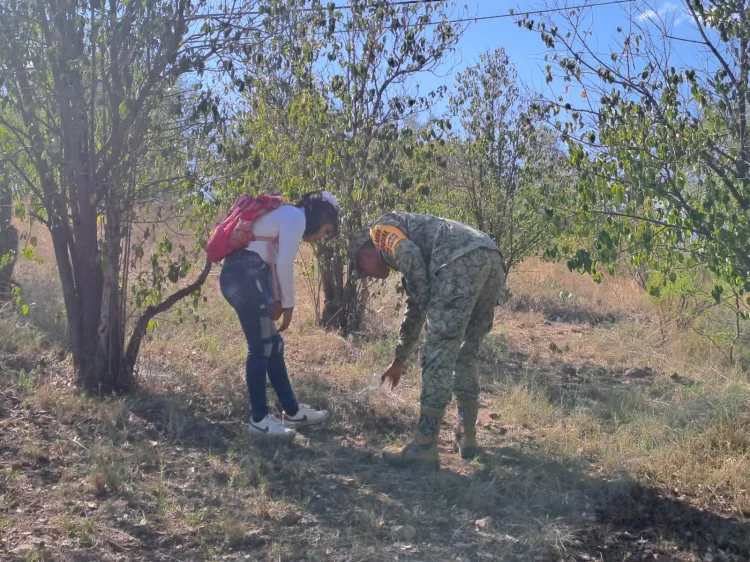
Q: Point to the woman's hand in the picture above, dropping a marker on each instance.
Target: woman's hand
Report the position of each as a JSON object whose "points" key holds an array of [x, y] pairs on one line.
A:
{"points": [[274, 310], [286, 320]]}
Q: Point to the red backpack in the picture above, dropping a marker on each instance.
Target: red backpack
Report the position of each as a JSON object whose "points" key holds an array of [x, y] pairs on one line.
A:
{"points": [[236, 230]]}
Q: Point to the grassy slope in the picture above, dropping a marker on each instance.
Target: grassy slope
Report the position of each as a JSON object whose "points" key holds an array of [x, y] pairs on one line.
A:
{"points": [[607, 439]]}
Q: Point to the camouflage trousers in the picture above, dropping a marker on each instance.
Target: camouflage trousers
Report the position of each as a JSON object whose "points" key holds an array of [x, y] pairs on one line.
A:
{"points": [[461, 312]]}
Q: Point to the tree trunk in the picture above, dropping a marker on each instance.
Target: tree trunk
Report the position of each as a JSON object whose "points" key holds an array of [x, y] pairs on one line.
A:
{"points": [[90, 285], [102, 364], [343, 307], [8, 244], [97, 350], [331, 275]]}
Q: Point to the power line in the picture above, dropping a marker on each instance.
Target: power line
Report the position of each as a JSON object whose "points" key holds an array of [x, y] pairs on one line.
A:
{"points": [[324, 8], [511, 14], [383, 3]]}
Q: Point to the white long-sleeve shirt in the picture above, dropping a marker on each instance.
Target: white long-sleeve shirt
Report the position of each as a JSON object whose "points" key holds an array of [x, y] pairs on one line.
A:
{"points": [[288, 223]]}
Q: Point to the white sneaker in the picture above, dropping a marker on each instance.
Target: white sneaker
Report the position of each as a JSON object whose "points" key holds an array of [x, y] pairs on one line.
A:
{"points": [[272, 428], [305, 416]]}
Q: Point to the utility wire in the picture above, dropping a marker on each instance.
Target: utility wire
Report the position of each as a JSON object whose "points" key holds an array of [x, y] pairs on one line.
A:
{"points": [[329, 6], [510, 14]]}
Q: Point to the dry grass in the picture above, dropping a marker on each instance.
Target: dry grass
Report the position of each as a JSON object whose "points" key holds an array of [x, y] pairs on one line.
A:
{"points": [[603, 441]]}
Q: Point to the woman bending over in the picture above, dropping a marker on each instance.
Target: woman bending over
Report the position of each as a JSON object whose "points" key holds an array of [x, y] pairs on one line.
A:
{"points": [[250, 287]]}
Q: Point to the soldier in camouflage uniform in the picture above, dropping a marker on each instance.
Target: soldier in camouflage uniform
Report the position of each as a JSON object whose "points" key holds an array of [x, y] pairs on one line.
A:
{"points": [[453, 276]]}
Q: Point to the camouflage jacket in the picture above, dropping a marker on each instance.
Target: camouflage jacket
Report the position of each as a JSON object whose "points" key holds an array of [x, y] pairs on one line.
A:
{"points": [[418, 246]]}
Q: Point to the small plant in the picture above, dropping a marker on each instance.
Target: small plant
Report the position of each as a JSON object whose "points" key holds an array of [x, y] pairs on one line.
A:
{"points": [[33, 557], [161, 499], [493, 347], [8, 476], [27, 381], [195, 518], [234, 533], [238, 479], [262, 505], [106, 478], [82, 531], [34, 454], [113, 414], [175, 421]]}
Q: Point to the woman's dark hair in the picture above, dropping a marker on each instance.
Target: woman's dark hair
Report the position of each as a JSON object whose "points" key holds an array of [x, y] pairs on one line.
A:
{"points": [[318, 212]]}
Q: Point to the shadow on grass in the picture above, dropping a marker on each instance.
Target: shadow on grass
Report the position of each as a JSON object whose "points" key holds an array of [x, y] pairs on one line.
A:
{"points": [[528, 502], [181, 420], [528, 506], [603, 392], [562, 312]]}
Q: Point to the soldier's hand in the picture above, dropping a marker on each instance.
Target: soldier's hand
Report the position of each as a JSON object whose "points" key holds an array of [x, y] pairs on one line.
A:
{"points": [[394, 372]]}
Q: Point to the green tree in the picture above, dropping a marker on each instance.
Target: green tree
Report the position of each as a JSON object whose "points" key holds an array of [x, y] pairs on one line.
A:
{"points": [[92, 109], [8, 240], [662, 148], [502, 168], [328, 98], [380, 49]]}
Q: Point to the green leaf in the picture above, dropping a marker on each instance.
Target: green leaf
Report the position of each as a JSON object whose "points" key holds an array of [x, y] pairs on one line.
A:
{"points": [[123, 110], [716, 293], [174, 273]]}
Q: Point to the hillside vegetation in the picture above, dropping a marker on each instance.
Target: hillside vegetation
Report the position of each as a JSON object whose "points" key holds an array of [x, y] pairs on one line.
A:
{"points": [[604, 442], [615, 384]]}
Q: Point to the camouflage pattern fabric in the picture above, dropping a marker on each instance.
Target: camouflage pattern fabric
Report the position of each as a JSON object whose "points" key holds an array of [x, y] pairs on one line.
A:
{"points": [[411, 326], [430, 245], [460, 314], [429, 422], [419, 246], [466, 408], [357, 239], [453, 276], [440, 240]]}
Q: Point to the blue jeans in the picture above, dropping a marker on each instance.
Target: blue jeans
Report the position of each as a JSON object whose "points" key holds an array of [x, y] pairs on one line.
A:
{"points": [[244, 282]]}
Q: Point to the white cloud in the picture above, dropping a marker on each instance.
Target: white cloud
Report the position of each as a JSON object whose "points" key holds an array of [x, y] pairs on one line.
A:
{"points": [[666, 9]]}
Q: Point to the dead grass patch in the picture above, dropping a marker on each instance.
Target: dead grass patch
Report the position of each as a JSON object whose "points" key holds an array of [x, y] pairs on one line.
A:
{"points": [[586, 457]]}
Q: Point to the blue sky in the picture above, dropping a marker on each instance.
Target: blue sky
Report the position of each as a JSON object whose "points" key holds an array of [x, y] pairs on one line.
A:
{"points": [[527, 51], [525, 48]]}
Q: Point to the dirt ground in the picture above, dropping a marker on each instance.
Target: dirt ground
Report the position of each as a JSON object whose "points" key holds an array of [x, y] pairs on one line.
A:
{"points": [[600, 444]]}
